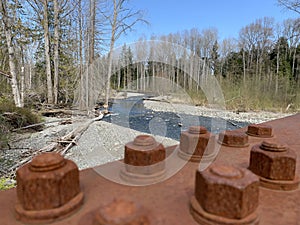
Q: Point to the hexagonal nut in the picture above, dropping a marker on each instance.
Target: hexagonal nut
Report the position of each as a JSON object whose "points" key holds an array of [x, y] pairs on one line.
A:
{"points": [[194, 141], [48, 182], [144, 151], [260, 130], [227, 191], [233, 138], [273, 160], [121, 212]]}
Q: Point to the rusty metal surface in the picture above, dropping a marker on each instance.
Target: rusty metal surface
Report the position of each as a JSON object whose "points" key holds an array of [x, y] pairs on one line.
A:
{"points": [[48, 188], [168, 202], [225, 195], [194, 142], [260, 130], [233, 138]]}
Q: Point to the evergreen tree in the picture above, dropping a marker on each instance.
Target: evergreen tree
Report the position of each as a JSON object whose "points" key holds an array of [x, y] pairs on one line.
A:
{"points": [[215, 59]]}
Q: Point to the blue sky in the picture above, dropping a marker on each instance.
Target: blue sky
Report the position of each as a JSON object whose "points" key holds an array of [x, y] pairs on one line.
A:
{"points": [[166, 16]]}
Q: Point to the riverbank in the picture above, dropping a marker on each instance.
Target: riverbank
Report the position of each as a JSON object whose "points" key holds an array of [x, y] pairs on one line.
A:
{"points": [[101, 143], [249, 117], [104, 141]]}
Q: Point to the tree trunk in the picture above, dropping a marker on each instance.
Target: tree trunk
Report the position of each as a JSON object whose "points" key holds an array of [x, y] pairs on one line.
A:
{"points": [[277, 70], [22, 85], [138, 83], [47, 54], [184, 73], [91, 56], [244, 68], [110, 55], [81, 100], [125, 75], [92, 31], [191, 72], [153, 76], [30, 75], [56, 46], [11, 54], [119, 79], [177, 72], [294, 62], [142, 77]]}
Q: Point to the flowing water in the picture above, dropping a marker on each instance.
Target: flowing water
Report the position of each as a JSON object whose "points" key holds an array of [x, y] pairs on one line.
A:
{"points": [[131, 113]]}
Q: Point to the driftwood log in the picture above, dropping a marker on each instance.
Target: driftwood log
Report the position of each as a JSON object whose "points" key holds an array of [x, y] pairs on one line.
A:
{"points": [[39, 124], [62, 145]]}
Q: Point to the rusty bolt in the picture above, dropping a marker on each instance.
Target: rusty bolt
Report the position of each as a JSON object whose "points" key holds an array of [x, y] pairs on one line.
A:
{"points": [[233, 138], [260, 130], [144, 155], [225, 193], [194, 142], [273, 160], [49, 187], [121, 212]]}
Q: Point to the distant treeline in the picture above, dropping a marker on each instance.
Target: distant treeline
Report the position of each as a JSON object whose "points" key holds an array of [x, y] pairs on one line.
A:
{"points": [[47, 49], [260, 69]]}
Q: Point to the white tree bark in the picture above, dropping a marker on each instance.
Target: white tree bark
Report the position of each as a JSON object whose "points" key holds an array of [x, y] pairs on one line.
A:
{"points": [[92, 30], [22, 95], [11, 53], [110, 55], [80, 50], [118, 25], [47, 53], [56, 53]]}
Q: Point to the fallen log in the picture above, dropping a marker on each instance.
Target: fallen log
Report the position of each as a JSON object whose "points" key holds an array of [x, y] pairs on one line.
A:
{"points": [[55, 112], [58, 146], [67, 112], [37, 124], [157, 99], [75, 135]]}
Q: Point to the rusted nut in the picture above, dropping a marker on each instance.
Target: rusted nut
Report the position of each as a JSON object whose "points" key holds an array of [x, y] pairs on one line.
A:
{"points": [[225, 195], [144, 151], [233, 138], [196, 143], [144, 160], [47, 188], [260, 130], [275, 163], [121, 212]]}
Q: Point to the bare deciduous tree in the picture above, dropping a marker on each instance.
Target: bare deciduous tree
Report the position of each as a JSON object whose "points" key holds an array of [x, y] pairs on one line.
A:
{"points": [[120, 20], [293, 5], [7, 23], [47, 51], [56, 52]]}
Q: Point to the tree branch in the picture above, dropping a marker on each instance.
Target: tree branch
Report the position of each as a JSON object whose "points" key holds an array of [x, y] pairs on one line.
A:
{"points": [[290, 5], [5, 74]]}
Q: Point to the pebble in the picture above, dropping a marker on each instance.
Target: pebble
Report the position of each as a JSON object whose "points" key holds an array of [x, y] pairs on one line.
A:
{"points": [[249, 117], [104, 142]]}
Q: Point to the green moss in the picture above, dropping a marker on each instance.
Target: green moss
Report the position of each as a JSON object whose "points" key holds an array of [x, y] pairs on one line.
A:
{"points": [[14, 117], [5, 184]]}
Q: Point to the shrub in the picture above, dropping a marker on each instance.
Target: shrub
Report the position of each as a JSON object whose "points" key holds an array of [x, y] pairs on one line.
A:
{"points": [[12, 117], [15, 117], [6, 184], [4, 132]]}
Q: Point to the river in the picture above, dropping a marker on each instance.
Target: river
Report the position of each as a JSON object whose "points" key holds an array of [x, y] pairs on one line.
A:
{"points": [[131, 113]]}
